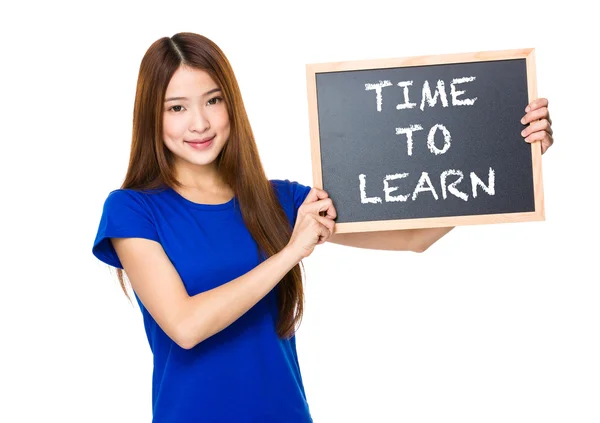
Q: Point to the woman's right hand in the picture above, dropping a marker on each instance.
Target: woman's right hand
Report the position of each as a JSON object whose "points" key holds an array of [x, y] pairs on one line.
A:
{"points": [[314, 223]]}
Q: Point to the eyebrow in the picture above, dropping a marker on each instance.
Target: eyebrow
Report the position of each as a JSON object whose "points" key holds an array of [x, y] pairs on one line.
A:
{"points": [[214, 90]]}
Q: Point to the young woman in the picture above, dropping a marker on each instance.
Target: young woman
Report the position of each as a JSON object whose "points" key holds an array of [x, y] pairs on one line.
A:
{"points": [[212, 248]]}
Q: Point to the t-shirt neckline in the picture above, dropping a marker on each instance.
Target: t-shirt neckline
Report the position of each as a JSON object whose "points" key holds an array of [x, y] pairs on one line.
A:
{"points": [[182, 199]]}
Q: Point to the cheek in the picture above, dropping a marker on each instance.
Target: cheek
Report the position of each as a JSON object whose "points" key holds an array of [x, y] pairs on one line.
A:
{"points": [[167, 128], [172, 128], [224, 123]]}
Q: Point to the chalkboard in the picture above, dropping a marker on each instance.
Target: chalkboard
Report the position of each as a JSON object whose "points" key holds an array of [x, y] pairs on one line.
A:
{"points": [[426, 141]]}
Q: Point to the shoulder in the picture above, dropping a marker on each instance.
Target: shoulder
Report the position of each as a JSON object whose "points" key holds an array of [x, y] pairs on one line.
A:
{"points": [[290, 191], [128, 194], [128, 208], [126, 198], [125, 214]]}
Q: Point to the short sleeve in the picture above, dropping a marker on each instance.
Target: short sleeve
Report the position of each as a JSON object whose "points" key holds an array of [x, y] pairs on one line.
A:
{"points": [[299, 193], [292, 195], [125, 215]]}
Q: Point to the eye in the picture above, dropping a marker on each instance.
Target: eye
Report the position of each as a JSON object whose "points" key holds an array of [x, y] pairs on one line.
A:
{"points": [[215, 100], [177, 108]]}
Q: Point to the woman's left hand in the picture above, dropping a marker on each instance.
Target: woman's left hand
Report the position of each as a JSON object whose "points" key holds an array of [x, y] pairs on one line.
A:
{"points": [[540, 124]]}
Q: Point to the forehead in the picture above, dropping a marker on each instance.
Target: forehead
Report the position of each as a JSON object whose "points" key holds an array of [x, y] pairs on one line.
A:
{"points": [[188, 82]]}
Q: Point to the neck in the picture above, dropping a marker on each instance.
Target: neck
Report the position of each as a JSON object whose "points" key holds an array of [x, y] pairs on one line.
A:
{"points": [[199, 177]]}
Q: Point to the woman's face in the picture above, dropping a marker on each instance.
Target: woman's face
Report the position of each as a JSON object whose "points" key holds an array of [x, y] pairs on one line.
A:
{"points": [[195, 120]]}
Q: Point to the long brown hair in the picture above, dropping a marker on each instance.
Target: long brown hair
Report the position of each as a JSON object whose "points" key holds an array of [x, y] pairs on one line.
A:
{"points": [[151, 163]]}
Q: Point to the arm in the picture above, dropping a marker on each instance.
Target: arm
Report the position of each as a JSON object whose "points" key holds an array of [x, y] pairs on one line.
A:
{"points": [[416, 240], [188, 320]]}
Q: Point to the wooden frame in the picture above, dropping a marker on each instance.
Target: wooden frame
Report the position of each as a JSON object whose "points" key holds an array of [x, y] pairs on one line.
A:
{"points": [[529, 54]]}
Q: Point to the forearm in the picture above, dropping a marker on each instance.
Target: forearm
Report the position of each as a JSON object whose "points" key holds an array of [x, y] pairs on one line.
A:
{"points": [[209, 312], [417, 240], [426, 237]]}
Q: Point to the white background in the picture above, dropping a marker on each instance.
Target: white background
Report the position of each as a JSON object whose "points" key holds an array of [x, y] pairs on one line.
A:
{"points": [[495, 323]]}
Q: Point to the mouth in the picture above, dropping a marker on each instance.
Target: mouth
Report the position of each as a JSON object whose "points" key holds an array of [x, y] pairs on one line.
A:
{"points": [[200, 143]]}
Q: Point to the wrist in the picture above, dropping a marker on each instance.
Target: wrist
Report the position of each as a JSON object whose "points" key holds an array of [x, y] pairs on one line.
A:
{"points": [[289, 257]]}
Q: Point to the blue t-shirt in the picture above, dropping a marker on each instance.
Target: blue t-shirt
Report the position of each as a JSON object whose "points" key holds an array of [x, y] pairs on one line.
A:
{"points": [[245, 373]]}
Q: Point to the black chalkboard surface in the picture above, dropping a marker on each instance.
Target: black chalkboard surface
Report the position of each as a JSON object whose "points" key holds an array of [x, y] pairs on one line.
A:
{"points": [[426, 141]]}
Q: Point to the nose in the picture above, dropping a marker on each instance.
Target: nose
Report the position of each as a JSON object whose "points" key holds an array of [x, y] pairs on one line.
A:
{"points": [[200, 122]]}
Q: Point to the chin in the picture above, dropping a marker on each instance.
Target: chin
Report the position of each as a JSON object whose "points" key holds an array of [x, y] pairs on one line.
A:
{"points": [[201, 161]]}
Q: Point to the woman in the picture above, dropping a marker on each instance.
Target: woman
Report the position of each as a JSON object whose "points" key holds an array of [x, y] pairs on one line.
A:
{"points": [[212, 248]]}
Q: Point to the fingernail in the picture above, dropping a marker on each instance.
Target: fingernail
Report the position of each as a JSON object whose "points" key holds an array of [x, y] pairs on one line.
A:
{"points": [[523, 133], [523, 120], [527, 109]]}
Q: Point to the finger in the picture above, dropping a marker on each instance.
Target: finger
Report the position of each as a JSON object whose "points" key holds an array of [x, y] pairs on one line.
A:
{"points": [[540, 125], [541, 113], [315, 194], [542, 136], [536, 104], [325, 229], [547, 143], [317, 228], [322, 207], [328, 223]]}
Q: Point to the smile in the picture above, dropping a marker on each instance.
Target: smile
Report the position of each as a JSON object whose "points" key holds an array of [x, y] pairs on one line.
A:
{"points": [[200, 144]]}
